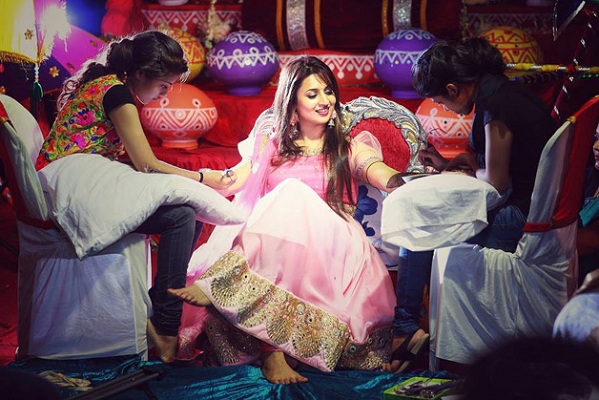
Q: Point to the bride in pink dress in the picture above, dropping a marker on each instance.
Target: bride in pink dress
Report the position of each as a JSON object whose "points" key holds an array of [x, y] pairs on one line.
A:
{"points": [[299, 281]]}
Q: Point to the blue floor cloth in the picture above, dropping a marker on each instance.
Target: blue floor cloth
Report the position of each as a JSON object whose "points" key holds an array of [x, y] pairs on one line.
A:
{"points": [[182, 382]]}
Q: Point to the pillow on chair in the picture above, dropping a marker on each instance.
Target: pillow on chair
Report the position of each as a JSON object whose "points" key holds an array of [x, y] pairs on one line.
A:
{"points": [[97, 201]]}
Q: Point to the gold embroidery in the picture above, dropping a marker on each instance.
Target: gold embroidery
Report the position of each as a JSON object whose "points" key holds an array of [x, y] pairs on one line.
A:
{"points": [[301, 327], [228, 343], [368, 355], [303, 330]]}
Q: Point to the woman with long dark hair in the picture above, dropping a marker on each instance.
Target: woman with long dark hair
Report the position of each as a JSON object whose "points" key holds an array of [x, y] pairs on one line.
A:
{"points": [[300, 280]]}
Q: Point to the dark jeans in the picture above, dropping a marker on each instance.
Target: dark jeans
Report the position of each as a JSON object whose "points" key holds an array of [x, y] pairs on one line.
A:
{"points": [[414, 268], [179, 231]]}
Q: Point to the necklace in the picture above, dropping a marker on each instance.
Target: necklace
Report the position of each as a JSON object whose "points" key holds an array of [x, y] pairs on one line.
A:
{"points": [[312, 152]]}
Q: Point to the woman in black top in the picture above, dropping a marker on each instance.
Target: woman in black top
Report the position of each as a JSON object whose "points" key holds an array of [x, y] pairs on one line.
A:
{"points": [[510, 128]]}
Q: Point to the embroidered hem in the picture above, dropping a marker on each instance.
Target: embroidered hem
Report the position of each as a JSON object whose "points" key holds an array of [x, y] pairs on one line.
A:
{"points": [[275, 316]]}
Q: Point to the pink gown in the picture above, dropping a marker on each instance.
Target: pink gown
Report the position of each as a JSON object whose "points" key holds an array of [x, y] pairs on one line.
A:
{"points": [[299, 278]]}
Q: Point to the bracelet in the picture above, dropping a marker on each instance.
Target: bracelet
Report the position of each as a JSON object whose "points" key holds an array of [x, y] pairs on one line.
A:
{"points": [[367, 168], [201, 172]]}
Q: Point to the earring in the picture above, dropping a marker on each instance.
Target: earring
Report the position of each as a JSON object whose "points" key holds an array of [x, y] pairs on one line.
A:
{"points": [[294, 131], [332, 120]]}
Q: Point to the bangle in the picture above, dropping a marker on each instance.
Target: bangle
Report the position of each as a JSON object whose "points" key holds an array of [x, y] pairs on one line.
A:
{"points": [[201, 176], [367, 168]]}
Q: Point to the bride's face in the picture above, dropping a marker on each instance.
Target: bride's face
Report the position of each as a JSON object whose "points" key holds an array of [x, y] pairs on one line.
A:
{"points": [[315, 102]]}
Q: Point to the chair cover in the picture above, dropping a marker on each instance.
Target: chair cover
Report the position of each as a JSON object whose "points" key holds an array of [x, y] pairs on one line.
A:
{"points": [[68, 307], [481, 297]]}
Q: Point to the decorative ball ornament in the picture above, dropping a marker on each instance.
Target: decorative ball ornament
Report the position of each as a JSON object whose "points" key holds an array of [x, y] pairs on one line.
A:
{"points": [[447, 131], [181, 117], [515, 44], [243, 62], [395, 56], [194, 51]]}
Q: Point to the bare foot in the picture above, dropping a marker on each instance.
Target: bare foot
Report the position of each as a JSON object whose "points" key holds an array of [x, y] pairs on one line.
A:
{"points": [[192, 294], [166, 346], [412, 349], [276, 370]]}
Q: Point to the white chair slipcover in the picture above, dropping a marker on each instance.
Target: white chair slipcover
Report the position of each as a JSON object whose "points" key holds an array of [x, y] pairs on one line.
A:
{"points": [[69, 308], [480, 297]]}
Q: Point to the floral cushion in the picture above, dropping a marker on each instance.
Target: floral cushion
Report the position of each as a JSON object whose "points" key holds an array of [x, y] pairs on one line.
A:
{"points": [[368, 214], [400, 135]]}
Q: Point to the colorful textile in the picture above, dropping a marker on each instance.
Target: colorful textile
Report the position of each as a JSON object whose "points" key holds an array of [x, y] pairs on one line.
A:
{"points": [[82, 125]]}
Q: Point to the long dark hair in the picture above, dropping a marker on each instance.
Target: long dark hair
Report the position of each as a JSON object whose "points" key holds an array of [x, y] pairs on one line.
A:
{"points": [[152, 53], [457, 62], [336, 145]]}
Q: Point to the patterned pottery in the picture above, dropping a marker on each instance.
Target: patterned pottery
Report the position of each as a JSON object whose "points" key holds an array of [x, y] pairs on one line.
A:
{"points": [[243, 62], [194, 51], [180, 118], [394, 57], [515, 44], [447, 131]]}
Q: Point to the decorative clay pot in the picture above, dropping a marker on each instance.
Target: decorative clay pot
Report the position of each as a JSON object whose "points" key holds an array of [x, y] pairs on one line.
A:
{"points": [[394, 57], [243, 62], [193, 49], [447, 131], [180, 118], [514, 44], [172, 2]]}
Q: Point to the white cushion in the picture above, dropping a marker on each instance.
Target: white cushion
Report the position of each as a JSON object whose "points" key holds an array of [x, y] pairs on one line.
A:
{"points": [[97, 201], [437, 211]]}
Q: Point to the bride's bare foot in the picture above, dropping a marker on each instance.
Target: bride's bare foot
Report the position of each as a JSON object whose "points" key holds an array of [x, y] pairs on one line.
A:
{"points": [[276, 370], [166, 346], [192, 294]]}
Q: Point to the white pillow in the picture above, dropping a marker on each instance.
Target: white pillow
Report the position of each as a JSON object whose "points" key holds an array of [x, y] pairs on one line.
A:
{"points": [[96, 201], [437, 211]]}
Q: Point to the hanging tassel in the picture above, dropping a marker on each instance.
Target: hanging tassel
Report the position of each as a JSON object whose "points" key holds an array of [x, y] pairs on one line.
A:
{"points": [[37, 93], [36, 97]]}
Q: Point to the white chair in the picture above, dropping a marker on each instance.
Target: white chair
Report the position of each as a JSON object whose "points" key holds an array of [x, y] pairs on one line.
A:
{"points": [[69, 308], [480, 297]]}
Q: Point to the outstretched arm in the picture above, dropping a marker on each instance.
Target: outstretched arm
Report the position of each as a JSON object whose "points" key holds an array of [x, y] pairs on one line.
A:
{"points": [[373, 171], [128, 126]]}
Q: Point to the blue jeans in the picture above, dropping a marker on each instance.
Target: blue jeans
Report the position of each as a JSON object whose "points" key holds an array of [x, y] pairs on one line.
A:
{"points": [[414, 268], [179, 232]]}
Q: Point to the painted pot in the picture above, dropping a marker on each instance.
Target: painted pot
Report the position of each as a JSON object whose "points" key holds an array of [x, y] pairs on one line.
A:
{"points": [[180, 118], [243, 62], [447, 131], [394, 57], [515, 44], [194, 51]]}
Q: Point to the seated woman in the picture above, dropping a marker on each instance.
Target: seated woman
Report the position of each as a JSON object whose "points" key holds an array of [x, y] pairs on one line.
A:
{"points": [[511, 126], [98, 115], [300, 278]]}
